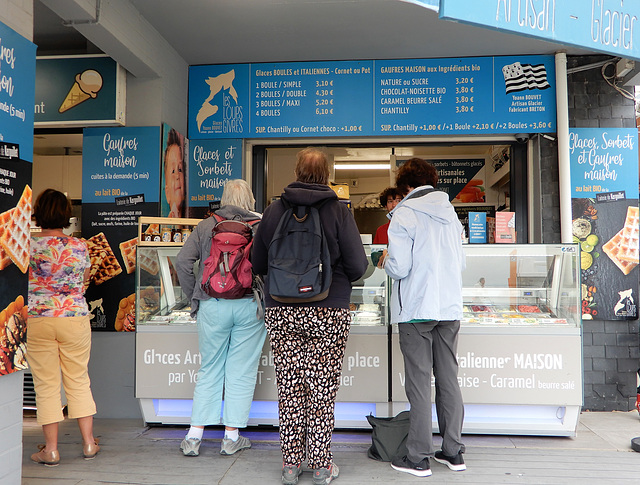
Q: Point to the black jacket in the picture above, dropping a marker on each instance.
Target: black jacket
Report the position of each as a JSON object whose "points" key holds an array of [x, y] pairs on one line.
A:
{"points": [[343, 239]]}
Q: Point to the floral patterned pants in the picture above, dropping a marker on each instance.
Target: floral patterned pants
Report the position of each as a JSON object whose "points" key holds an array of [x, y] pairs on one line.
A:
{"points": [[308, 346]]}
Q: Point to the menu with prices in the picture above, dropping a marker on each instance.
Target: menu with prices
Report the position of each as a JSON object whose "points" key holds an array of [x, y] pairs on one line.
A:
{"points": [[310, 98], [510, 94]]}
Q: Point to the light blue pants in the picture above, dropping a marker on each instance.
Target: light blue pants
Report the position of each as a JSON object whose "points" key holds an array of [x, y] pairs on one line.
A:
{"points": [[231, 339]]}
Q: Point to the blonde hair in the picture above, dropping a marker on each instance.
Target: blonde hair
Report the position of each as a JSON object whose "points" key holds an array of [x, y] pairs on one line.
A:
{"points": [[237, 192]]}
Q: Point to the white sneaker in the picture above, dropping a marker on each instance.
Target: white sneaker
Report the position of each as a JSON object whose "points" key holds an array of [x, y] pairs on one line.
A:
{"points": [[190, 446], [229, 447]]}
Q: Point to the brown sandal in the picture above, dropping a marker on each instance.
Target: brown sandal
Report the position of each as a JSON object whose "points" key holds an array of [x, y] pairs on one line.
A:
{"points": [[90, 450], [51, 458]]}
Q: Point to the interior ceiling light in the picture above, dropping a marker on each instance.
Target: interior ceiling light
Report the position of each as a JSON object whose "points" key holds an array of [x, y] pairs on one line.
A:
{"points": [[362, 166]]}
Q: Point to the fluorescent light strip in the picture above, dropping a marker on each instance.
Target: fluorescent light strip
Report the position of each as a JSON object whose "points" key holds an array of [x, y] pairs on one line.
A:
{"points": [[362, 166]]}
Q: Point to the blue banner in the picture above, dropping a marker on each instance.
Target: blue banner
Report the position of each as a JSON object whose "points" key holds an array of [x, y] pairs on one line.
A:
{"points": [[211, 164], [600, 25], [485, 95], [17, 77], [604, 207], [603, 160], [119, 162]]}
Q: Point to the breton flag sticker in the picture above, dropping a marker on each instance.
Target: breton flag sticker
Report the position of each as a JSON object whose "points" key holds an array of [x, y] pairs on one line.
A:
{"points": [[518, 77]]}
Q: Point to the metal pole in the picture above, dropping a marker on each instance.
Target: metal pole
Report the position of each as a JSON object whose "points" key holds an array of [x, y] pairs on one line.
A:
{"points": [[564, 174]]}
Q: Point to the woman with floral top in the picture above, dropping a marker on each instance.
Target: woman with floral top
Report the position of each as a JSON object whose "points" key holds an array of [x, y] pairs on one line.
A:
{"points": [[58, 329]]}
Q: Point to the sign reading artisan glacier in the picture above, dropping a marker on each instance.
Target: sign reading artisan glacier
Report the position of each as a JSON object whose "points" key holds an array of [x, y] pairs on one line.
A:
{"points": [[511, 94], [609, 26]]}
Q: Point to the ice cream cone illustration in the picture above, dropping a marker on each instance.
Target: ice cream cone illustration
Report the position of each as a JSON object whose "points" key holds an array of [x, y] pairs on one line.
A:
{"points": [[86, 85]]}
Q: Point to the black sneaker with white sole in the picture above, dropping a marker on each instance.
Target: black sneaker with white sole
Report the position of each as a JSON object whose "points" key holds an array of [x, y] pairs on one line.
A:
{"points": [[404, 464], [455, 463]]}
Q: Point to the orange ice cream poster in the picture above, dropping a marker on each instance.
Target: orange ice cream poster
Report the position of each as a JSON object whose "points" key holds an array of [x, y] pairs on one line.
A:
{"points": [[462, 179]]}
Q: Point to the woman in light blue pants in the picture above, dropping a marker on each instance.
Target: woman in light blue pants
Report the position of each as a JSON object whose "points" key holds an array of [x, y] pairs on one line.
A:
{"points": [[231, 332], [231, 339]]}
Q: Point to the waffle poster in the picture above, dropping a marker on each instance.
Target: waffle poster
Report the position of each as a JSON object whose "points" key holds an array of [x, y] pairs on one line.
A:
{"points": [[120, 181], [604, 198], [17, 87]]}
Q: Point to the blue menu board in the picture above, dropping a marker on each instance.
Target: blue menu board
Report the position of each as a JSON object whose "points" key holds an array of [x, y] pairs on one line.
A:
{"points": [[373, 98], [463, 96], [311, 99]]}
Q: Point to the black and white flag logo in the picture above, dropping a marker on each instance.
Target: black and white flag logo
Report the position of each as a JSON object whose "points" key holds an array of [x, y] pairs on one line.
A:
{"points": [[518, 77]]}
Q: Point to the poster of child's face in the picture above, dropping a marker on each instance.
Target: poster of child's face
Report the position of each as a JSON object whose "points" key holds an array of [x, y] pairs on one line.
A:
{"points": [[174, 179]]}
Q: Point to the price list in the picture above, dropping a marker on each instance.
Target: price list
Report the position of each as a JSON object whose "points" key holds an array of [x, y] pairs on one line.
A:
{"points": [[460, 96], [311, 99], [402, 97]]}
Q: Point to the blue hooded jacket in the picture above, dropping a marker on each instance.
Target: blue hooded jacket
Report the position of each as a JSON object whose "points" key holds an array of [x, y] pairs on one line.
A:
{"points": [[425, 258]]}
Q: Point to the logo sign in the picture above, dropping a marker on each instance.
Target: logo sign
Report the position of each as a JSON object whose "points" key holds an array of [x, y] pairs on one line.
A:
{"points": [[79, 91], [609, 26]]}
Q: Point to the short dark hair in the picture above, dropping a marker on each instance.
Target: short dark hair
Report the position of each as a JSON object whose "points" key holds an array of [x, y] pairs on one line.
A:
{"points": [[312, 166], [416, 172], [388, 192], [52, 210]]}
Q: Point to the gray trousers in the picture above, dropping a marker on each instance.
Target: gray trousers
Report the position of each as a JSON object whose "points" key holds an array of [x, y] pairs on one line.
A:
{"points": [[427, 345]]}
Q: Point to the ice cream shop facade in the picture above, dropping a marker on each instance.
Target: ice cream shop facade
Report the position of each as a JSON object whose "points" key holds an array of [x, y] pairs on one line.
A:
{"points": [[568, 132]]}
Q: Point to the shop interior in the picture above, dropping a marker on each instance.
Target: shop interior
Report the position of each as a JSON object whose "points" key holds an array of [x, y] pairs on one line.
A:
{"points": [[365, 169]]}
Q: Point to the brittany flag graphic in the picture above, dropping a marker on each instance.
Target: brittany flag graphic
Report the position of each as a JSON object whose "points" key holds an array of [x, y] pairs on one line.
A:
{"points": [[518, 77]]}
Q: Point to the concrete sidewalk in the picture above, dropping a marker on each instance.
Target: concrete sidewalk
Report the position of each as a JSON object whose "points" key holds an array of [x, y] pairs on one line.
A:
{"points": [[135, 454]]}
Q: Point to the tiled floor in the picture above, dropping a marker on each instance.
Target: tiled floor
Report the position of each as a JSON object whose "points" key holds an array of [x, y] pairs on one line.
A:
{"points": [[135, 454]]}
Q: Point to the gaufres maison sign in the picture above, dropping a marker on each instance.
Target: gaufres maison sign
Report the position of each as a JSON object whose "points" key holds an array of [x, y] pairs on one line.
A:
{"points": [[610, 26]]}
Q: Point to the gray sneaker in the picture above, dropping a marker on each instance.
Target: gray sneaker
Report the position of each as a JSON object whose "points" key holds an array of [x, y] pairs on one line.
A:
{"points": [[324, 476], [290, 474], [229, 447], [190, 446]]}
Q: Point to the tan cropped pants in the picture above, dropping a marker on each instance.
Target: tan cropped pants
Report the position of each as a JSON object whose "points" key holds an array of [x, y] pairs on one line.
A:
{"points": [[60, 347]]}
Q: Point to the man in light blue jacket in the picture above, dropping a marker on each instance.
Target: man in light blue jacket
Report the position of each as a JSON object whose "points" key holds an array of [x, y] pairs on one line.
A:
{"points": [[426, 261]]}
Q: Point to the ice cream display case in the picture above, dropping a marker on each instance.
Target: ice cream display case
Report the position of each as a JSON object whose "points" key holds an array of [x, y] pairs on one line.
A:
{"points": [[520, 345], [168, 357]]}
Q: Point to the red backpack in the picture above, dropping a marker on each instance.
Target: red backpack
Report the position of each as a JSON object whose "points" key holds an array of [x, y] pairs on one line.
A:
{"points": [[227, 271]]}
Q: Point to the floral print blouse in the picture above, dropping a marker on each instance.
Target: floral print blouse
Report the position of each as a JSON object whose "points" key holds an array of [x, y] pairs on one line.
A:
{"points": [[56, 273]]}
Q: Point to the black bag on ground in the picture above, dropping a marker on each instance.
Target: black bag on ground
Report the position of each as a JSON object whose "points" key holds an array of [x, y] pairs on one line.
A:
{"points": [[299, 260], [389, 436]]}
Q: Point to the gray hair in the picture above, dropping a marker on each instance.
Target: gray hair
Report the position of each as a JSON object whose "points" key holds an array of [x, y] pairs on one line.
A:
{"points": [[237, 192]]}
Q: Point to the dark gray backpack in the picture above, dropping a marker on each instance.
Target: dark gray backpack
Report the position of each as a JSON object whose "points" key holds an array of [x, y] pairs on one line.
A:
{"points": [[299, 260]]}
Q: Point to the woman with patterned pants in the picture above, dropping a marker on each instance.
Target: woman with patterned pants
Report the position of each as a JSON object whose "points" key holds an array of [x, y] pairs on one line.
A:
{"points": [[308, 339]]}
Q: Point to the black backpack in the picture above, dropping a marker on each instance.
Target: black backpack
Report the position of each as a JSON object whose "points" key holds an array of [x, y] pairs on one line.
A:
{"points": [[299, 260]]}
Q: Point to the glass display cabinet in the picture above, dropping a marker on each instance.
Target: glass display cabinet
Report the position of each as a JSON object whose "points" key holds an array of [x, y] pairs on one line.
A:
{"points": [[168, 358], [520, 345], [522, 285]]}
